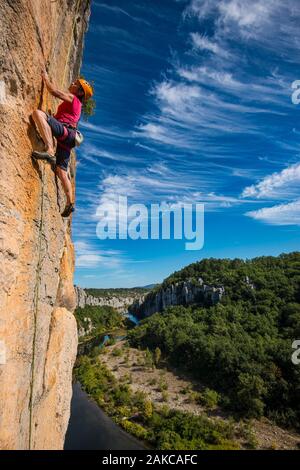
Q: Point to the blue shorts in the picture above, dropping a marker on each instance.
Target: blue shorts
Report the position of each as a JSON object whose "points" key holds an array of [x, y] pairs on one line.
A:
{"points": [[65, 141]]}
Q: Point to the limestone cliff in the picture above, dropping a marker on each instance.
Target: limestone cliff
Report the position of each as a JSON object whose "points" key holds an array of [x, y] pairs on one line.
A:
{"points": [[119, 302], [180, 293], [38, 335]]}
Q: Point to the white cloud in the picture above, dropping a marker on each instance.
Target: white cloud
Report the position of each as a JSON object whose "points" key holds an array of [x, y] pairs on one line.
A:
{"points": [[95, 154], [209, 75], [162, 134], [176, 96], [155, 185], [245, 13], [200, 8], [188, 113], [88, 256], [268, 90], [152, 184], [202, 42], [102, 130], [242, 13], [255, 20], [282, 214], [284, 184]]}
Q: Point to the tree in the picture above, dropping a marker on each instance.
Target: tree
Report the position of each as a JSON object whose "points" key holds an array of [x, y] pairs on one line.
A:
{"points": [[157, 355], [148, 358], [148, 409]]}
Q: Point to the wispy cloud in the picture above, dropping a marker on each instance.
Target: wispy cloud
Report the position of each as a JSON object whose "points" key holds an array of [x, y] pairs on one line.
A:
{"points": [[88, 256], [105, 30], [156, 185], [214, 93], [202, 42], [255, 21], [285, 184], [280, 186], [118, 10], [282, 214], [219, 92], [94, 153], [102, 130]]}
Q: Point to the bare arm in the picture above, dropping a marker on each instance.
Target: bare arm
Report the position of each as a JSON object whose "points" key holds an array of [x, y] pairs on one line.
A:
{"points": [[65, 96]]}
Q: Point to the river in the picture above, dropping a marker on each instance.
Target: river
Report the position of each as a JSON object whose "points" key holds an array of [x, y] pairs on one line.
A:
{"points": [[90, 428]]}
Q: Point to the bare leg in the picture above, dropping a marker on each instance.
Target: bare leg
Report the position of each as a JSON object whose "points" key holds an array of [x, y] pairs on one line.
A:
{"points": [[66, 184], [44, 129]]}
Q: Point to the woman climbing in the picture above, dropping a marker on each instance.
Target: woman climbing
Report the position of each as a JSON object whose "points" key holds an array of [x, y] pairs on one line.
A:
{"points": [[63, 127]]}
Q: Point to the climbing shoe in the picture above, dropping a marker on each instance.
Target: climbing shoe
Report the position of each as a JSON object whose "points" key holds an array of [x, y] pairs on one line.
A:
{"points": [[68, 210], [44, 156]]}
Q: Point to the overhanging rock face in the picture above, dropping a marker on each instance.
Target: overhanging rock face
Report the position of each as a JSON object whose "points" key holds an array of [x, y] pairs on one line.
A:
{"points": [[38, 334]]}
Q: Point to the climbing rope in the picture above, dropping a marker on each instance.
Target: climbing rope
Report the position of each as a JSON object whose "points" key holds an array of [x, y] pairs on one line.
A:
{"points": [[36, 304], [40, 236]]}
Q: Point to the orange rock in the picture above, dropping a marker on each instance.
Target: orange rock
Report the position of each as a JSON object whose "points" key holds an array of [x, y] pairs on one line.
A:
{"points": [[37, 329]]}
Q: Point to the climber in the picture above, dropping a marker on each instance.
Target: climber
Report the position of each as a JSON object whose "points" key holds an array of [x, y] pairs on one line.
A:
{"points": [[63, 127]]}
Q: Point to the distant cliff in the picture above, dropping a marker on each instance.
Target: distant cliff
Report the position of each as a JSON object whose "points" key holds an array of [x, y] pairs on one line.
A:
{"points": [[38, 334], [179, 293], [120, 302]]}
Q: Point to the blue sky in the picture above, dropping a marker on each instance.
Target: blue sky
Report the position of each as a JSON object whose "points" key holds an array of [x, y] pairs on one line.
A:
{"points": [[193, 105]]}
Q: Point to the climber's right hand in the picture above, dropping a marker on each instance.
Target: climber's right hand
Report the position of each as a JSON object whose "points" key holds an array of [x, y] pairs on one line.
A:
{"points": [[45, 75]]}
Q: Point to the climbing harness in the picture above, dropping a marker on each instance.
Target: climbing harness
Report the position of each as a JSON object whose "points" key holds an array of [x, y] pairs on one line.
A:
{"points": [[78, 135]]}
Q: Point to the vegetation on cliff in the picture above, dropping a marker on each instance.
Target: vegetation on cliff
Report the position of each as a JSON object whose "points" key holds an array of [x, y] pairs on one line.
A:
{"points": [[241, 347], [102, 318], [118, 292]]}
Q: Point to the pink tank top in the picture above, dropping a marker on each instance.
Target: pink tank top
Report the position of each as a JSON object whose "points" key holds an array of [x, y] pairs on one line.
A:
{"points": [[69, 112]]}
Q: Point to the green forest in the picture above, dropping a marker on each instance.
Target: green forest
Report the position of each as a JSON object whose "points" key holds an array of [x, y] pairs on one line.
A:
{"points": [[117, 292], [103, 318], [242, 346]]}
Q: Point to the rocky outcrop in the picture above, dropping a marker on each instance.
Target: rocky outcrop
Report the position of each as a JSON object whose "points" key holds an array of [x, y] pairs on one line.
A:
{"points": [[86, 328], [120, 303], [38, 333], [181, 293]]}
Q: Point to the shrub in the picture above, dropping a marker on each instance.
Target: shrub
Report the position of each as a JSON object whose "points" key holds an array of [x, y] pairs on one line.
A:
{"points": [[209, 398], [117, 352], [148, 359], [157, 356], [162, 386], [134, 428], [152, 381], [147, 409], [195, 397]]}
